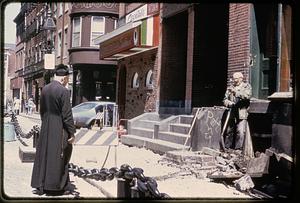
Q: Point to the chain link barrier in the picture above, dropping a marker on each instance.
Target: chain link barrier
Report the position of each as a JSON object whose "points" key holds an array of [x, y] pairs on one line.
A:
{"points": [[19, 133], [146, 186]]}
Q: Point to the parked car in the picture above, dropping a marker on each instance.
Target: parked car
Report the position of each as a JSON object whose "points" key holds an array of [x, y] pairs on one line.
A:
{"points": [[84, 114]]}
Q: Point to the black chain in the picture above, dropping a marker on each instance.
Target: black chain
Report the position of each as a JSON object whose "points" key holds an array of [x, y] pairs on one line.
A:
{"points": [[19, 133], [145, 185]]}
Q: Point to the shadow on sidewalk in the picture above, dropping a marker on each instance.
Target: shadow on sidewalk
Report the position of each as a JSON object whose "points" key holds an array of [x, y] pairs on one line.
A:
{"points": [[71, 190]]}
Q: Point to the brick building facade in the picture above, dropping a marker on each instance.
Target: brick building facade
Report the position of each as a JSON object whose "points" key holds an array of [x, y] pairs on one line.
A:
{"points": [[9, 71], [134, 46]]}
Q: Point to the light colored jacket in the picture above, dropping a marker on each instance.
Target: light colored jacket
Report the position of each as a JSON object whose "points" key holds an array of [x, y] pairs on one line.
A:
{"points": [[241, 98]]}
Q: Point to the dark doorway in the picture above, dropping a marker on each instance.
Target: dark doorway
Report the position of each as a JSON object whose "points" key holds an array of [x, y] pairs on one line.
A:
{"points": [[174, 59], [210, 54]]}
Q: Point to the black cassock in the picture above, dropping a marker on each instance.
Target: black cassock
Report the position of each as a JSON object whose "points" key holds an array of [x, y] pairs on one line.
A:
{"points": [[53, 153]]}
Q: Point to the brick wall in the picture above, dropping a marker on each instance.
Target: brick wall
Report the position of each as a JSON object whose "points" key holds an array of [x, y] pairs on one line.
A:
{"points": [[239, 39], [142, 99]]}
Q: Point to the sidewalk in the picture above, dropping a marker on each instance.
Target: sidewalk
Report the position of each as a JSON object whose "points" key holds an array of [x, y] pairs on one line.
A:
{"points": [[34, 115], [89, 157]]}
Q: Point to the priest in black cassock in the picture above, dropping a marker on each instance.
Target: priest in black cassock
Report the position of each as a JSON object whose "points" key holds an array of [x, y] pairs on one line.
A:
{"points": [[54, 147]]}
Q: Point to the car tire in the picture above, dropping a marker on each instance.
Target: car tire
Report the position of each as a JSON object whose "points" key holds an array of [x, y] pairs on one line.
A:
{"points": [[91, 124]]}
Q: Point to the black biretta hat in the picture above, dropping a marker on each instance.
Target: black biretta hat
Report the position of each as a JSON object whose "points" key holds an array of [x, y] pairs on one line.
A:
{"points": [[61, 70]]}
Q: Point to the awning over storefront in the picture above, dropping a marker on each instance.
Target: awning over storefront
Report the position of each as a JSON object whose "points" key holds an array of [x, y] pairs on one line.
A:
{"points": [[125, 41]]}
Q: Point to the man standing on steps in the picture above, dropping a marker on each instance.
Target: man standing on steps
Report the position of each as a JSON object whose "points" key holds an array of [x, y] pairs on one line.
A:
{"points": [[50, 173], [237, 99]]}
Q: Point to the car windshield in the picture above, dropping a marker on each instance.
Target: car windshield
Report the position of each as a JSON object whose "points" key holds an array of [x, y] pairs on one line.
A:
{"points": [[85, 106]]}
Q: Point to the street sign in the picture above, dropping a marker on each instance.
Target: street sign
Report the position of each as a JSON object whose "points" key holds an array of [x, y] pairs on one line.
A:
{"points": [[49, 61]]}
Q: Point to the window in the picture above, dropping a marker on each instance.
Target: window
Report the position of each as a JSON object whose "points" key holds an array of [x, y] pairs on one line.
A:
{"points": [[40, 52], [97, 28], [54, 42], [135, 81], [54, 9], [149, 80], [76, 32], [36, 54], [66, 7], [66, 42], [60, 10], [59, 44], [41, 20]]}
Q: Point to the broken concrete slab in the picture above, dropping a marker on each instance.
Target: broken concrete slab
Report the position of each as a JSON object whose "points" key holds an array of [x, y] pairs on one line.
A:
{"points": [[258, 166], [189, 157], [244, 183], [210, 151], [225, 175]]}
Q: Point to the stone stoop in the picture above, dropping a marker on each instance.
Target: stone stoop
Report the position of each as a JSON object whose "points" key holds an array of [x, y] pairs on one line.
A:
{"points": [[173, 137], [141, 133]]}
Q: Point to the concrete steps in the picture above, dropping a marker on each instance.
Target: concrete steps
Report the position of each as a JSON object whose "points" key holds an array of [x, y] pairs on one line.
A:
{"points": [[146, 123], [186, 119], [156, 145], [143, 132], [173, 137], [159, 133], [179, 128]]}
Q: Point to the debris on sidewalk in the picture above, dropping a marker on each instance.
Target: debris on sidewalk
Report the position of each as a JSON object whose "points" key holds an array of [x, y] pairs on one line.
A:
{"points": [[244, 183], [195, 163]]}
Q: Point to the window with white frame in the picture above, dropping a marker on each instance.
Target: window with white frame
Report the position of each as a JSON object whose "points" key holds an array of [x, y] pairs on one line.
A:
{"points": [[66, 6], [76, 32], [66, 42], [97, 28], [135, 81], [60, 10], [59, 44], [149, 79], [40, 52], [54, 9], [36, 54], [41, 20], [55, 44]]}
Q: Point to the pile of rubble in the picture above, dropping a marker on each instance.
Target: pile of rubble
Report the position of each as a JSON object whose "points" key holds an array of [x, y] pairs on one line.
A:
{"points": [[231, 165]]}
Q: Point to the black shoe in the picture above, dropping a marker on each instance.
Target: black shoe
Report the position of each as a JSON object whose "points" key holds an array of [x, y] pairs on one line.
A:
{"points": [[38, 191], [67, 192]]}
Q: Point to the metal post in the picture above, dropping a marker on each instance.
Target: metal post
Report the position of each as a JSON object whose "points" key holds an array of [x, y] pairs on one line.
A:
{"points": [[114, 128], [115, 155], [123, 188], [34, 139], [105, 116]]}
